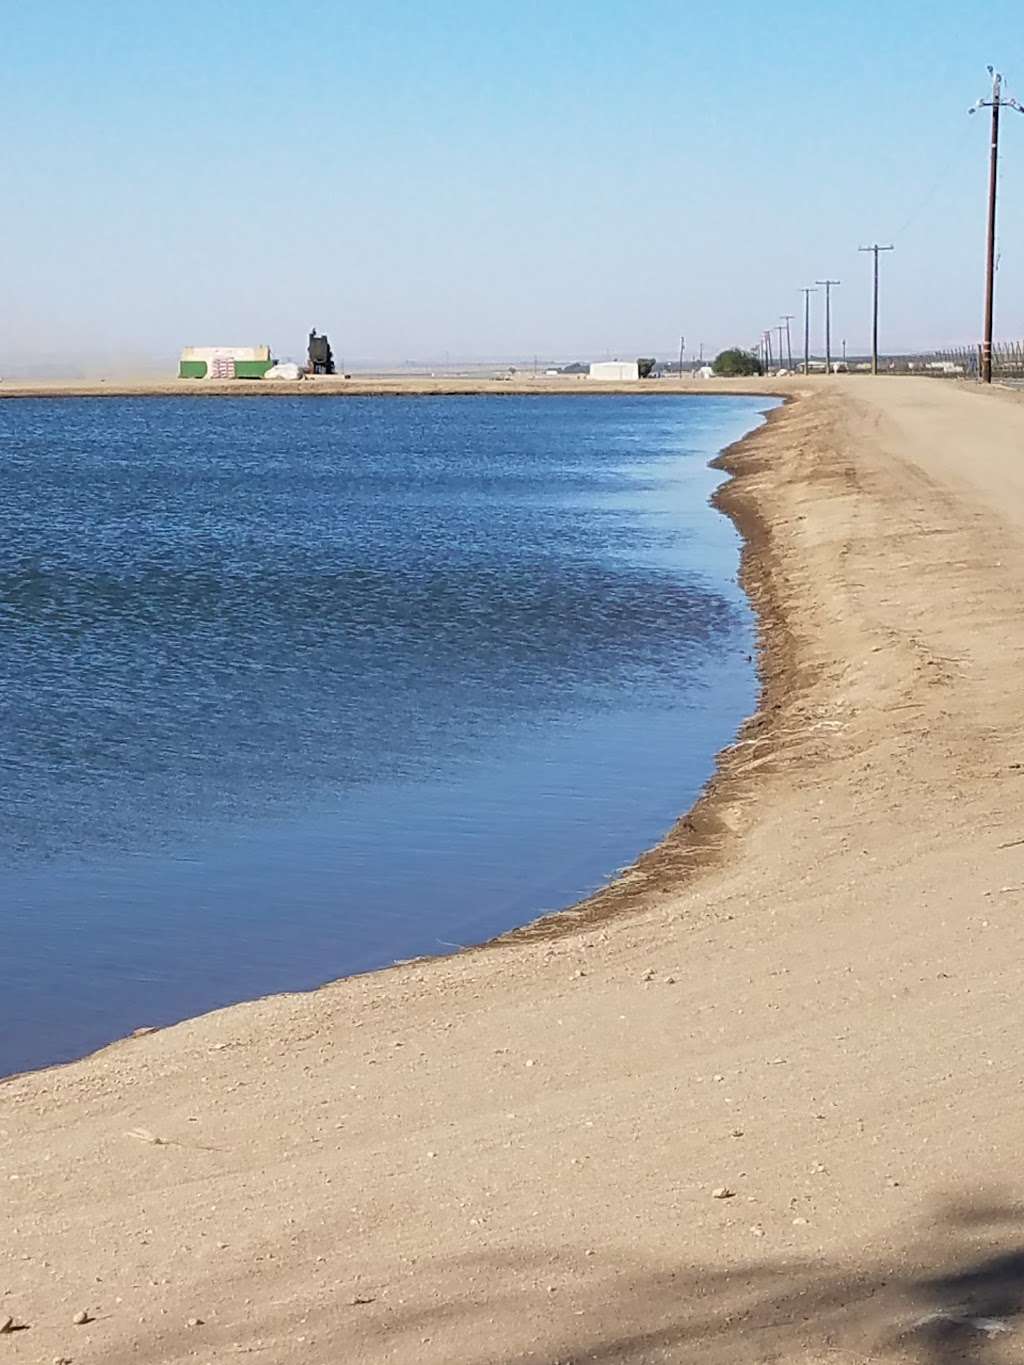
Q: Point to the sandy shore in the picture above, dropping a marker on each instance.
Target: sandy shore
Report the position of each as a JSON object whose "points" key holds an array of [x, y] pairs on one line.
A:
{"points": [[806, 1001], [366, 386]]}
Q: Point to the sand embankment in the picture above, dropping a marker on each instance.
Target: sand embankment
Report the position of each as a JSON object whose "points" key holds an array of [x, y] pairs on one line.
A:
{"points": [[812, 1001]]}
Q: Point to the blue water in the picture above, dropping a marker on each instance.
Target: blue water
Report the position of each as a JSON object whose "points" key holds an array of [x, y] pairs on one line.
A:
{"points": [[293, 688]]}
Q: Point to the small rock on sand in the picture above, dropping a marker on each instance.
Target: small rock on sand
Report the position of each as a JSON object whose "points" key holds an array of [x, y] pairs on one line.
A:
{"points": [[194, 1322], [722, 1192], [80, 1318], [6, 1325]]}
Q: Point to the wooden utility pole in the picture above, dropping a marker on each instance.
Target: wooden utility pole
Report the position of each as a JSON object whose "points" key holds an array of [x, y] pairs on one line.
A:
{"points": [[682, 345], [874, 248], [807, 328], [997, 102], [828, 321], [787, 318]]}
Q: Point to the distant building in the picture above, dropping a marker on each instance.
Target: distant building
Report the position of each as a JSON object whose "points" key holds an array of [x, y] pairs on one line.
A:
{"points": [[615, 371], [224, 362]]}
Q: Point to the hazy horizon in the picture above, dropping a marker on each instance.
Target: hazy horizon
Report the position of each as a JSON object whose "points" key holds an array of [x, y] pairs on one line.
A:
{"points": [[460, 185]]}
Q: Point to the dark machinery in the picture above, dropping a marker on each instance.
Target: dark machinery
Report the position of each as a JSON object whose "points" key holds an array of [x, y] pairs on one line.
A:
{"points": [[321, 357]]}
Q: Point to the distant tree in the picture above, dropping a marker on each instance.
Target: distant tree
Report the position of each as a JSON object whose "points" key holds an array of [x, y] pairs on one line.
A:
{"points": [[736, 361]]}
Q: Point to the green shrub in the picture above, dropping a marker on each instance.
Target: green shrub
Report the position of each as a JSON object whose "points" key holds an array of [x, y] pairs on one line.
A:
{"points": [[736, 362]]}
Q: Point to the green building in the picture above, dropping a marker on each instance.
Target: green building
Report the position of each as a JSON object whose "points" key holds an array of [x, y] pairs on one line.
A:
{"points": [[224, 362]]}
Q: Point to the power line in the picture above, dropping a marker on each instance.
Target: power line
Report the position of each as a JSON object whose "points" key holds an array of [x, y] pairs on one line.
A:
{"points": [[922, 202], [875, 249]]}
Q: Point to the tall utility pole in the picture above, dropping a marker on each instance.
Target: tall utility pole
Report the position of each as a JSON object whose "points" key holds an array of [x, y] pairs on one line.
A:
{"points": [[828, 321], [768, 345], [787, 318], [874, 248], [807, 328], [997, 102], [682, 344], [782, 332]]}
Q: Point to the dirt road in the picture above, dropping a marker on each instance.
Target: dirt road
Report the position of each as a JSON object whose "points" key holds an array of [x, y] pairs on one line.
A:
{"points": [[770, 1109]]}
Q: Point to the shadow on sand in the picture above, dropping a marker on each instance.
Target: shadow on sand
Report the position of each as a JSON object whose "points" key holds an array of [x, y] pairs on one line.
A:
{"points": [[950, 1293]]}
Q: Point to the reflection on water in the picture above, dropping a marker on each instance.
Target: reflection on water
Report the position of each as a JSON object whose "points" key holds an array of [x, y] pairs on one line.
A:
{"points": [[292, 688]]}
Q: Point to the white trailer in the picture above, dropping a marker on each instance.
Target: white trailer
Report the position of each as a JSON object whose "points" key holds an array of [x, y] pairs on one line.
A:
{"points": [[615, 371]]}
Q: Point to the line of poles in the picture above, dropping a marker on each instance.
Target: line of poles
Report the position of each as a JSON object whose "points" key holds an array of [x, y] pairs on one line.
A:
{"points": [[767, 352]]}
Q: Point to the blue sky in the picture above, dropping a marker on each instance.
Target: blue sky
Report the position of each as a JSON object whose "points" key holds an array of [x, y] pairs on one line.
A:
{"points": [[495, 180]]}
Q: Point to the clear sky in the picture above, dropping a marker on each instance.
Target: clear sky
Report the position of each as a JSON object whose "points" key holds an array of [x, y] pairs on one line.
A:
{"points": [[495, 180]]}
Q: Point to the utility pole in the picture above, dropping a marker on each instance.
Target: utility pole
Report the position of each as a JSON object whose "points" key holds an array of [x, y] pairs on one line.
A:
{"points": [[807, 328], [997, 102], [768, 345], [787, 318], [828, 321], [781, 330], [682, 344], [874, 248]]}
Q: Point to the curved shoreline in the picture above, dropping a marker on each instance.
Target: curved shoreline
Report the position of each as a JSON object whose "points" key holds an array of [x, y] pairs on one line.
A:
{"points": [[700, 837]]}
